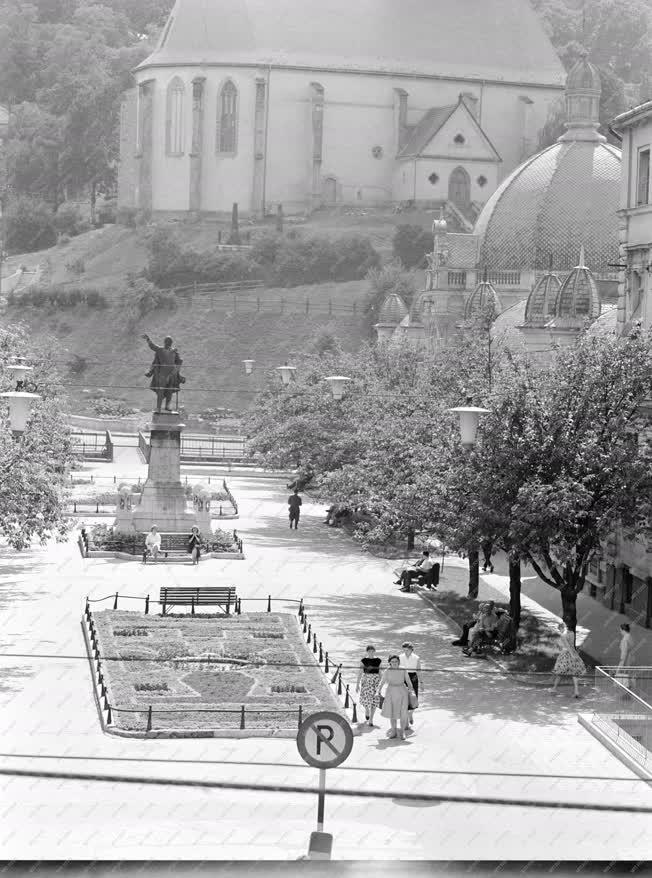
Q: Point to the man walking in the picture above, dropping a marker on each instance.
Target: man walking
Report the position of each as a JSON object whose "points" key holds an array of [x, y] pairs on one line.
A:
{"points": [[411, 662], [294, 505]]}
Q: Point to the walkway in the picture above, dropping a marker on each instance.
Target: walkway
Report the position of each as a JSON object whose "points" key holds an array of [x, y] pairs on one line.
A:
{"points": [[472, 719]]}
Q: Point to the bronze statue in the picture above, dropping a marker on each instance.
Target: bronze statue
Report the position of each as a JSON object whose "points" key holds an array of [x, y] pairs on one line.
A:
{"points": [[164, 372]]}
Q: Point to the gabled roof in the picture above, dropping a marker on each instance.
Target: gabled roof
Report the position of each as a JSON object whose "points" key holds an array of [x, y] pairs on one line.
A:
{"points": [[495, 40], [433, 122]]}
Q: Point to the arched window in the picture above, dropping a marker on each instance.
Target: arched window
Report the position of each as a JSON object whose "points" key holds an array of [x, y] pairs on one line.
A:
{"points": [[459, 188], [174, 118], [227, 118]]}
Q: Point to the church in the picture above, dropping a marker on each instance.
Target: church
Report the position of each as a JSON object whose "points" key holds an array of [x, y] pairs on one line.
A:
{"points": [[309, 104]]}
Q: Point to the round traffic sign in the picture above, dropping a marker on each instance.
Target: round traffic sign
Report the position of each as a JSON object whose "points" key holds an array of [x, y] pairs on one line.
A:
{"points": [[325, 739]]}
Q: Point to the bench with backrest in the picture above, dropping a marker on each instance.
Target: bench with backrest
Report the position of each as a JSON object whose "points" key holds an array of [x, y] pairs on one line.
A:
{"points": [[198, 596], [174, 544]]}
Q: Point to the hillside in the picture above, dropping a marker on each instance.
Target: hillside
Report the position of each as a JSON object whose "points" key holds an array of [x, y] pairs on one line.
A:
{"points": [[213, 339]]}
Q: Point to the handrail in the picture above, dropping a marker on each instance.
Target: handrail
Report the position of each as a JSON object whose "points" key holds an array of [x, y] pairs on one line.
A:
{"points": [[599, 669]]}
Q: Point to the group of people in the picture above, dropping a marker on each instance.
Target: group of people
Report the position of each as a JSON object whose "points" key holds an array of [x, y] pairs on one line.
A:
{"points": [[395, 691], [488, 625], [153, 544]]}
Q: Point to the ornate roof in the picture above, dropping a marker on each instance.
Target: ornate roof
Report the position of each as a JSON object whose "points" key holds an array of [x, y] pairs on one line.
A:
{"points": [[562, 197], [578, 296], [541, 301], [393, 310], [483, 298], [500, 40]]}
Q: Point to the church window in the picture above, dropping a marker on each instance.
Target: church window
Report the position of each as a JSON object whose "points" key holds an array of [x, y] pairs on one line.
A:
{"points": [[174, 118], [434, 178], [482, 180], [227, 118], [459, 139], [643, 180]]}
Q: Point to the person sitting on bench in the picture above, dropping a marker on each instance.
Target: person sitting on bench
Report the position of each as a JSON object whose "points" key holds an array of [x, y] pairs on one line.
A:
{"points": [[423, 566], [484, 629], [194, 545], [504, 630], [153, 542]]}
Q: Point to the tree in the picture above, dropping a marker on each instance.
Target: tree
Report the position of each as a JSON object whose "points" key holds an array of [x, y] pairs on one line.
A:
{"points": [[32, 467]]}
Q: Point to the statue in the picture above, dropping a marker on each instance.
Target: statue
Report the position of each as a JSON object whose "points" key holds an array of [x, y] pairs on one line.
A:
{"points": [[164, 372]]}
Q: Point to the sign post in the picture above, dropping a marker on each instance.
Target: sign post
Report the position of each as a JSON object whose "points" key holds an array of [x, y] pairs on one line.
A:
{"points": [[324, 740]]}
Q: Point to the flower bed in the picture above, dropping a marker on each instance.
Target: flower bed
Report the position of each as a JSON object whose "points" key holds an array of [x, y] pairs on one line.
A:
{"points": [[191, 663]]}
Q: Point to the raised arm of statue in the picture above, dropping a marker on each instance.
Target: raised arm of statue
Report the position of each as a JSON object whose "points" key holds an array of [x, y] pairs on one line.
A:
{"points": [[153, 346]]}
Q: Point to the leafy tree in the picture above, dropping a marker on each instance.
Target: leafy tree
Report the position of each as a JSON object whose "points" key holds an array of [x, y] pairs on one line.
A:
{"points": [[32, 467], [411, 244], [29, 225]]}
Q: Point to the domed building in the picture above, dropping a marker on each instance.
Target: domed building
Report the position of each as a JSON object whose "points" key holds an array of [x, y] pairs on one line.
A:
{"points": [[306, 103], [562, 200]]}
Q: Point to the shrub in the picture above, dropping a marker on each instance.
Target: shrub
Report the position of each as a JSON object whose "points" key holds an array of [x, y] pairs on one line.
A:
{"points": [[266, 246], [78, 364], [220, 267], [77, 266], [354, 258], [95, 299], [113, 408], [29, 226], [67, 220], [319, 259], [126, 216], [410, 245], [151, 687]]}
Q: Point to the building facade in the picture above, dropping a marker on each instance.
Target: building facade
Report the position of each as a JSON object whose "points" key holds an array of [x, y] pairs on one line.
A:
{"points": [[309, 104]]}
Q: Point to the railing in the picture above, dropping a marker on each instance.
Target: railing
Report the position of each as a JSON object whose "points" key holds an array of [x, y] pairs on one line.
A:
{"points": [[624, 712], [322, 657], [232, 500], [457, 279], [96, 446], [504, 278], [213, 448], [143, 445]]}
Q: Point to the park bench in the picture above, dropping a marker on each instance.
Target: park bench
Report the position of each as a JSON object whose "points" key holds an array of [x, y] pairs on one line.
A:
{"points": [[198, 596], [174, 544]]}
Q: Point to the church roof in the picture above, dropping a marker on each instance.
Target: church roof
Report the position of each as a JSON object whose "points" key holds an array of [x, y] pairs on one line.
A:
{"points": [[433, 121], [500, 40]]}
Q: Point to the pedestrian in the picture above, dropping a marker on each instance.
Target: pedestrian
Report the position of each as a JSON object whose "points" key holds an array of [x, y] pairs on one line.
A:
{"points": [[294, 506], [625, 654], [487, 551], [395, 705], [153, 542], [368, 683], [569, 663], [411, 662], [194, 545]]}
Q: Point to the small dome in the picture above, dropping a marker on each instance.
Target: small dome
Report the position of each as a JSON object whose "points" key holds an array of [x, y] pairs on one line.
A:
{"points": [[541, 301], [578, 296], [584, 75], [393, 309], [483, 298]]}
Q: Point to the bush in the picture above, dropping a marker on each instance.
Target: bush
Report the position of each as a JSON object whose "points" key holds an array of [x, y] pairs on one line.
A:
{"points": [[29, 226], [265, 247], [221, 267], [113, 408], [320, 259], [354, 258], [146, 297], [410, 245], [77, 266], [95, 299], [61, 298], [68, 220]]}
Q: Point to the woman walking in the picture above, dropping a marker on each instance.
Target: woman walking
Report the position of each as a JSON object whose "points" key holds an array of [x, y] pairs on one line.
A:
{"points": [[568, 663], [194, 545], [395, 706], [625, 655], [367, 683]]}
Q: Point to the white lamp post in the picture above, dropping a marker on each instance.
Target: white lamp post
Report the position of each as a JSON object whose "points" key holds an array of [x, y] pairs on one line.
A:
{"points": [[469, 420], [249, 365], [286, 372], [338, 385], [20, 402]]}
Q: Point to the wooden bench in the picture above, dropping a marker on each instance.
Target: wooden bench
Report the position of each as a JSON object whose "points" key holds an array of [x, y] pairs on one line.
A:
{"points": [[171, 544], [200, 596]]}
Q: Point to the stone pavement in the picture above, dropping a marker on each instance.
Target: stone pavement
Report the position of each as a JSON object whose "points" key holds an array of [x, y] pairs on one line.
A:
{"points": [[472, 719]]}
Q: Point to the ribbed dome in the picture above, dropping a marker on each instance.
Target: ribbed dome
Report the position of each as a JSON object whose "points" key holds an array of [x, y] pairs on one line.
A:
{"points": [[393, 310], [541, 301], [562, 197], [495, 39], [484, 298], [578, 296]]}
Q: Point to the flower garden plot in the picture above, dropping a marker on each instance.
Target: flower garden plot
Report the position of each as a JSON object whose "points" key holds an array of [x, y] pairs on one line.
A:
{"points": [[221, 663]]}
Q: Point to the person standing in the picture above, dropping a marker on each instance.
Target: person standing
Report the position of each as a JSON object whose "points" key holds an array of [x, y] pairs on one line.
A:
{"points": [[625, 654], [194, 545], [569, 663], [367, 683], [410, 662], [294, 506], [153, 542], [397, 686]]}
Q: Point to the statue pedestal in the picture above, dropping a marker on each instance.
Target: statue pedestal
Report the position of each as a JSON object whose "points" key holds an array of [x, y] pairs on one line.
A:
{"points": [[163, 501]]}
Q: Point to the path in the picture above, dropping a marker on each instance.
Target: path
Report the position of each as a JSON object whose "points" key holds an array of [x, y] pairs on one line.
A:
{"points": [[472, 719]]}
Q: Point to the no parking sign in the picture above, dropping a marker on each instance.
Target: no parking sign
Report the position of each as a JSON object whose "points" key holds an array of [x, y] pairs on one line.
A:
{"points": [[325, 739]]}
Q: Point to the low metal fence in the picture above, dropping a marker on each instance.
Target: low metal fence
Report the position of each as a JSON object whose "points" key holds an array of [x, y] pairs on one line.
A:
{"points": [[624, 709], [92, 446]]}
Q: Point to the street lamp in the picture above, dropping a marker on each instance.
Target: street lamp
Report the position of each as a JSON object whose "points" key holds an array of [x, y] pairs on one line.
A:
{"points": [[249, 365], [286, 372], [469, 420], [20, 402], [338, 385]]}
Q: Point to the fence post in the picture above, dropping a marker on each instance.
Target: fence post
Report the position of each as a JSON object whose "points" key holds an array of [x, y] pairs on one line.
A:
{"points": [[192, 606], [87, 611], [305, 623], [339, 682], [282, 304], [314, 643], [300, 715], [346, 699], [115, 602], [354, 718], [97, 508], [149, 719], [300, 608], [307, 305], [235, 304], [309, 638], [108, 719], [326, 666], [74, 506], [242, 717], [269, 603], [147, 605], [334, 677], [330, 306], [257, 309]]}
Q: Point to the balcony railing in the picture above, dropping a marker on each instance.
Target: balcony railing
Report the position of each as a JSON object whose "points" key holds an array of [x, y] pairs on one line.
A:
{"points": [[624, 710]]}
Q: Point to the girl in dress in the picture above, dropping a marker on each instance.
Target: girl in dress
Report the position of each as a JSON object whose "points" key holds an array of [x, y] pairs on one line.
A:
{"points": [[568, 663], [194, 545], [395, 707], [367, 684]]}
